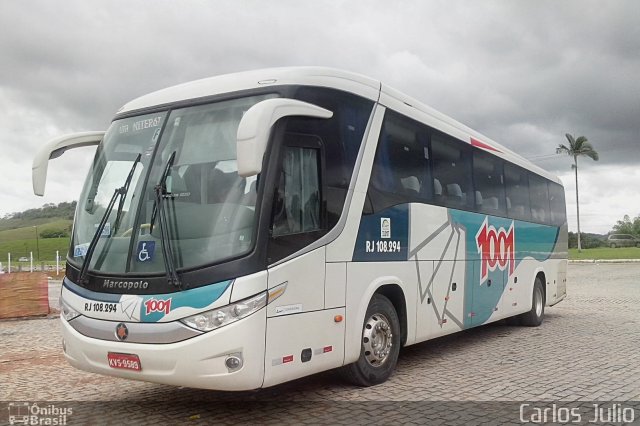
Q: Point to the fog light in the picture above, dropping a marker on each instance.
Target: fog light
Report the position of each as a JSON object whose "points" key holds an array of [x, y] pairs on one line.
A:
{"points": [[233, 362], [64, 346]]}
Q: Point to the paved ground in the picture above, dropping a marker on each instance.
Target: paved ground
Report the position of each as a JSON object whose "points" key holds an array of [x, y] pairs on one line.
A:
{"points": [[54, 295], [588, 349]]}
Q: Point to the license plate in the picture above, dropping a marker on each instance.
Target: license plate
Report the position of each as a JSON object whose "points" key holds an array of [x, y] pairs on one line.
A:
{"points": [[124, 361]]}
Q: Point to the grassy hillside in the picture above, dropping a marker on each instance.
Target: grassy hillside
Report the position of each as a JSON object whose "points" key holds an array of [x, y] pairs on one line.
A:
{"points": [[28, 230], [11, 223], [20, 248], [49, 212], [20, 241]]}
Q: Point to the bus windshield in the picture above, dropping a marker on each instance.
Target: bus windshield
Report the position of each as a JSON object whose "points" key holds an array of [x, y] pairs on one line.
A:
{"points": [[208, 208]]}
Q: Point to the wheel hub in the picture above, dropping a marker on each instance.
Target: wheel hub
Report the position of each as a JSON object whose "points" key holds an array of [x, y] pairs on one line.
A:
{"points": [[377, 339]]}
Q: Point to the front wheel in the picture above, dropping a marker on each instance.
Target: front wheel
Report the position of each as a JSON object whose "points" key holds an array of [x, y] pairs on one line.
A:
{"points": [[534, 317], [613, 245], [380, 345]]}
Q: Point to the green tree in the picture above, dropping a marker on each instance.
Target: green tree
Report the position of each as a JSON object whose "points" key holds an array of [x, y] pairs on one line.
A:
{"points": [[624, 226], [577, 148], [627, 226]]}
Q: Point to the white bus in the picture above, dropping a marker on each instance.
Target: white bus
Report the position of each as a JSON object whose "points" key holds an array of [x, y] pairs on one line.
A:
{"points": [[245, 230]]}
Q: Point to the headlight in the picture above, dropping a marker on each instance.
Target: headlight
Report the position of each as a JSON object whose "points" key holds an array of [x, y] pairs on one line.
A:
{"points": [[67, 312], [216, 318]]}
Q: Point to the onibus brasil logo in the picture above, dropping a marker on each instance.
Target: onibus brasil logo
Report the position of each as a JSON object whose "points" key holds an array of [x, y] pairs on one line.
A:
{"points": [[26, 413], [496, 248]]}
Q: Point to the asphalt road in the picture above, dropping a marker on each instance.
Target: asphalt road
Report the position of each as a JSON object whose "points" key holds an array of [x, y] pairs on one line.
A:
{"points": [[588, 349]]}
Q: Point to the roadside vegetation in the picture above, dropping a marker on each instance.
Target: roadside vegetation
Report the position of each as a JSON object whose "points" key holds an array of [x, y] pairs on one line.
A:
{"points": [[22, 248], [603, 253], [40, 231]]}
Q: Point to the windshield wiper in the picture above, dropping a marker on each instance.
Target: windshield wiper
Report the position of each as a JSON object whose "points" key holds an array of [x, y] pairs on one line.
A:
{"points": [[122, 192], [162, 183], [123, 196], [160, 213]]}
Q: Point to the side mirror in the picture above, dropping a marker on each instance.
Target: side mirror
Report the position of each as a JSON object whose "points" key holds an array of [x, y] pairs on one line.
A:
{"points": [[55, 148], [255, 128]]}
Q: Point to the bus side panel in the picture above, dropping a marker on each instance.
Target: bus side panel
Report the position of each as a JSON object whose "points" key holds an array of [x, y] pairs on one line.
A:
{"points": [[302, 338], [561, 290], [303, 344], [304, 277], [439, 248], [497, 250], [335, 285], [486, 295], [440, 303], [519, 288]]}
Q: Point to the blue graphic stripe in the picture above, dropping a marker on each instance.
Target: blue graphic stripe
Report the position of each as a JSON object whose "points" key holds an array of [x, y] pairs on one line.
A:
{"points": [[531, 240], [194, 298]]}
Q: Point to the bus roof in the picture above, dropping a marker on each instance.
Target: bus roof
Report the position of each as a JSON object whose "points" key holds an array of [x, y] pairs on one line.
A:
{"points": [[334, 78]]}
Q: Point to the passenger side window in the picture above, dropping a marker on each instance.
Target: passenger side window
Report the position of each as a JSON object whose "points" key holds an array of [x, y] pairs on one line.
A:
{"points": [[539, 199], [517, 186], [557, 204], [400, 172], [451, 162], [341, 140], [489, 184], [296, 206]]}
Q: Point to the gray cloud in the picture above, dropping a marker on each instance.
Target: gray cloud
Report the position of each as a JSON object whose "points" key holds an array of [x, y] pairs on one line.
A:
{"points": [[523, 73]]}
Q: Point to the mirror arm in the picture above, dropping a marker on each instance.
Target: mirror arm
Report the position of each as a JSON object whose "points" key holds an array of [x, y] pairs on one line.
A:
{"points": [[55, 148], [255, 128]]}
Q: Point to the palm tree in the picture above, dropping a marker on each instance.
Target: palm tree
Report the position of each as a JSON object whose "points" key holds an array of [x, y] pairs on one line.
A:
{"points": [[577, 148]]}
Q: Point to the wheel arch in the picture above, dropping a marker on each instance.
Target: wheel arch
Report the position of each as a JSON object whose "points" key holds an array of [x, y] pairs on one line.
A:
{"points": [[395, 294], [389, 286]]}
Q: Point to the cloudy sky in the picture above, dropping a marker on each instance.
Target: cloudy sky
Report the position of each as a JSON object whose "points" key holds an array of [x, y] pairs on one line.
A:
{"points": [[523, 73]]}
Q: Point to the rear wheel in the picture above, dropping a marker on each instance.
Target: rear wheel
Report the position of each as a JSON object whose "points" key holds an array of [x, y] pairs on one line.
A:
{"points": [[534, 317], [380, 345]]}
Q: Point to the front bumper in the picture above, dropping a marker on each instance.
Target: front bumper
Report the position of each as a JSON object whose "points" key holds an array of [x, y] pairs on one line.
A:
{"points": [[197, 362]]}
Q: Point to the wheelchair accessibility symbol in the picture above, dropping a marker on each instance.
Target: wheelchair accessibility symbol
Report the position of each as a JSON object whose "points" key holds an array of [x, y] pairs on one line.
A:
{"points": [[146, 250]]}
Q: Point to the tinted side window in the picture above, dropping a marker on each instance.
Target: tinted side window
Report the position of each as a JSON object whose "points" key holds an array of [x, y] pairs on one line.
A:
{"points": [[517, 186], [557, 204], [489, 184], [297, 201], [451, 165], [341, 135], [400, 172], [539, 199], [298, 216]]}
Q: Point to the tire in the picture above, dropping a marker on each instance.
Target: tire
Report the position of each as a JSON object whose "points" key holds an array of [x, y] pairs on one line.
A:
{"points": [[381, 327], [534, 317], [612, 245], [513, 321]]}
